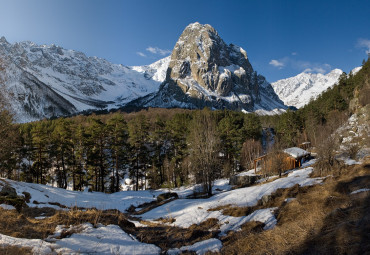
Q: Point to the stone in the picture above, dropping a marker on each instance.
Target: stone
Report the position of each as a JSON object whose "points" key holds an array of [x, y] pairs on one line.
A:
{"points": [[265, 199], [8, 191], [167, 195], [243, 180]]}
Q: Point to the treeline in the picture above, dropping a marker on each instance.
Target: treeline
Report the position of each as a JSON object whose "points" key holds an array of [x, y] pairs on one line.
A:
{"points": [[154, 148]]}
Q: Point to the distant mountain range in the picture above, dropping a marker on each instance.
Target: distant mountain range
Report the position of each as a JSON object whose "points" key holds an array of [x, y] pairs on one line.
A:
{"points": [[297, 91], [42, 81]]}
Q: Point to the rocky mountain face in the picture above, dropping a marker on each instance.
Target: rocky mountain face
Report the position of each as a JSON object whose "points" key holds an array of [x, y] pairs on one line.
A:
{"points": [[206, 72], [299, 90], [43, 81]]}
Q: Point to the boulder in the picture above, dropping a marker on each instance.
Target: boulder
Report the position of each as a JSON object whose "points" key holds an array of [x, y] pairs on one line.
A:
{"points": [[265, 199], [166, 196], [243, 180], [8, 191]]}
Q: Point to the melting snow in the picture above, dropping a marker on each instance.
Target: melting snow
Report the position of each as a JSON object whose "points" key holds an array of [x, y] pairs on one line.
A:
{"points": [[360, 190], [200, 248], [7, 207]]}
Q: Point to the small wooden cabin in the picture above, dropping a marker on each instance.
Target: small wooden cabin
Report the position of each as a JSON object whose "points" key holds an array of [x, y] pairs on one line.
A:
{"points": [[296, 156], [291, 158]]}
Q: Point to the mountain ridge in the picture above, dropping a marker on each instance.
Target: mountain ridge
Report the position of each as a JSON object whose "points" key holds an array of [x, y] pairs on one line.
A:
{"points": [[75, 81], [298, 90], [206, 72]]}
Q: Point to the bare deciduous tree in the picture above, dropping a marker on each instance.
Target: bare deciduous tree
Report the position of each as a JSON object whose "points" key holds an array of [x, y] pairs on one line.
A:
{"points": [[251, 150], [204, 144]]}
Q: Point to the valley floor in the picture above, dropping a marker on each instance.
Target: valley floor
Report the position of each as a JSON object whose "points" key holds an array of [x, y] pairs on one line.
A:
{"points": [[292, 211]]}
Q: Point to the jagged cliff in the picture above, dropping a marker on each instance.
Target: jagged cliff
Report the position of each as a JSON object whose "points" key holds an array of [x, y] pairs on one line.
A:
{"points": [[205, 71]]}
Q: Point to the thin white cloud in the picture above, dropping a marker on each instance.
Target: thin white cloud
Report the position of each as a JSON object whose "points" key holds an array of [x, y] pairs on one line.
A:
{"points": [[294, 53], [315, 70], [309, 67], [277, 63], [141, 54], [156, 50], [301, 65], [364, 43]]}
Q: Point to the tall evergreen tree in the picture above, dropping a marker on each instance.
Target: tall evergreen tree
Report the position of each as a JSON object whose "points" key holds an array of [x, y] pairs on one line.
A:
{"points": [[119, 149], [139, 138]]}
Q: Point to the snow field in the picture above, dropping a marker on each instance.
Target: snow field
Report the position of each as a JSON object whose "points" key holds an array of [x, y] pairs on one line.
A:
{"points": [[112, 239], [187, 212]]}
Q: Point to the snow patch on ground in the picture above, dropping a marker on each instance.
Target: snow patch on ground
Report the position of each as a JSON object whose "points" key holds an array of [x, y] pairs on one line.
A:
{"points": [[38, 246], [194, 211], [47, 194], [7, 207], [360, 190], [265, 216], [200, 248], [109, 239], [100, 240], [220, 185]]}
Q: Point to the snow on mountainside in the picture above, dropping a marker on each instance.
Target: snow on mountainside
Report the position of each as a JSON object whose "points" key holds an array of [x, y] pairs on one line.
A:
{"points": [[46, 80], [299, 90], [206, 72]]}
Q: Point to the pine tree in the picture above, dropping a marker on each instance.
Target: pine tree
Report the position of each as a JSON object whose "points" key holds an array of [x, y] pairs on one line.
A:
{"points": [[40, 140], [139, 138], [97, 154], [118, 144], [177, 129], [62, 150]]}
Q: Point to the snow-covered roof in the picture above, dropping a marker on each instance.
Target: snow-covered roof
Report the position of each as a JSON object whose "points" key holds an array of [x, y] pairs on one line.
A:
{"points": [[296, 152]]}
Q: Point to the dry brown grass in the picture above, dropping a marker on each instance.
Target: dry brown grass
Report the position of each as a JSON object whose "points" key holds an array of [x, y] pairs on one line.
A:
{"points": [[167, 237], [277, 199], [324, 219], [24, 224], [14, 250]]}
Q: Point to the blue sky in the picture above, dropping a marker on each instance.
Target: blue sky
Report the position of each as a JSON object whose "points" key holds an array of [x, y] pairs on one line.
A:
{"points": [[282, 38]]}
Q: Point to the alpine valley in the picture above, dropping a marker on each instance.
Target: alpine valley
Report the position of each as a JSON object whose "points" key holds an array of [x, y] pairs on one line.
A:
{"points": [[43, 81]]}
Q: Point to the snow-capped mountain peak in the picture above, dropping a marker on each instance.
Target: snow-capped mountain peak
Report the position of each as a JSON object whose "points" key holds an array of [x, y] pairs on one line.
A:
{"points": [[205, 71], [46, 80], [299, 90]]}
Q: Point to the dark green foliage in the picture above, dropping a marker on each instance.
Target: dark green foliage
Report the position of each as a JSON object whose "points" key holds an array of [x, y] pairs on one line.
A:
{"points": [[139, 137], [288, 128]]}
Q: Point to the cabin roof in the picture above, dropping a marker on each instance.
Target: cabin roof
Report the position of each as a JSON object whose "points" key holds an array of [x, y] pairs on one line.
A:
{"points": [[296, 152]]}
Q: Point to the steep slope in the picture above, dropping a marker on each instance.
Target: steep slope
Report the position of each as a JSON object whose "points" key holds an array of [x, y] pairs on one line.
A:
{"points": [[44, 81], [205, 71], [299, 90]]}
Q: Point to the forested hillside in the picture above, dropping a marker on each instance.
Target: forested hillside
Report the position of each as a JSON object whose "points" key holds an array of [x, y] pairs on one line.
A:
{"points": [[154, 148]]}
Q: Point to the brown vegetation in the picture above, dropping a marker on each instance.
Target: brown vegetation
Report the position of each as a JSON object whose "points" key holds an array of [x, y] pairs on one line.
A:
{"points": [[324, 219], [24, 225], [14, 250]]}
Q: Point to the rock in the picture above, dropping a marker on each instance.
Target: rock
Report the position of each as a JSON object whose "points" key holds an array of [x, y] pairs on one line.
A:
{"points": [[206, 72], [244, 180], [8, 191], [265, 199], [166, 196]]}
